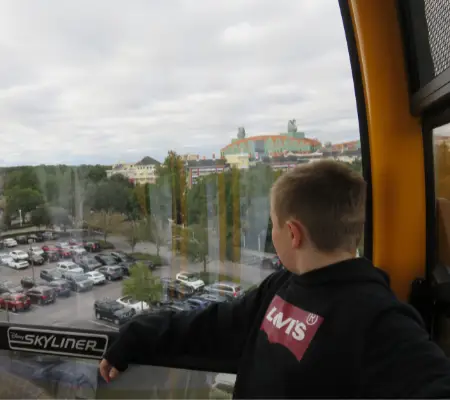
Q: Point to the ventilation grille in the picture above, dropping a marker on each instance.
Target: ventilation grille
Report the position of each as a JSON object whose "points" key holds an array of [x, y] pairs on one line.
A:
{"points": [[437, 14]]}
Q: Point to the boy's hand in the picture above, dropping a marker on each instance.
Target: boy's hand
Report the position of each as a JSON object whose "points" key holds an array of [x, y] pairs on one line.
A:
{"points": [[107, 371]]}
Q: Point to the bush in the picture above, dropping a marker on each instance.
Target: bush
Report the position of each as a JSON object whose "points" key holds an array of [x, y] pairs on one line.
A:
{"points": [[104, 245], [157, 261]]}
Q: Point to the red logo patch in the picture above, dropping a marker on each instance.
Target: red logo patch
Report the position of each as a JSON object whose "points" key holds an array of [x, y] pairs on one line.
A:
{"points": [[290, 326]]}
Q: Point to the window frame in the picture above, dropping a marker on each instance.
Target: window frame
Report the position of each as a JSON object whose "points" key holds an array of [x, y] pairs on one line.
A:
{"points": [[211, 364]]}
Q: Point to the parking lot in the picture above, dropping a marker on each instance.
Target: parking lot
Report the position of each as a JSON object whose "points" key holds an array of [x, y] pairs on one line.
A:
{"points": [[77, 310]]}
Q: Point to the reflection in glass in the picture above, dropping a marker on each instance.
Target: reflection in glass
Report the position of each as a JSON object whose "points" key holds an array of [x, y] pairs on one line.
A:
{"points": [[139, 149], [441, 143]]}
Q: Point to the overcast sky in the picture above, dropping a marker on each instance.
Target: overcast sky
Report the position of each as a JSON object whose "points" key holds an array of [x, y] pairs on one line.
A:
{"points": [[102, 81]]}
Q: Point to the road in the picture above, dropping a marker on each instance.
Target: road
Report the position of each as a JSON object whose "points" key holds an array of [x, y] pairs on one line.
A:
{"points": [[77, 310]]}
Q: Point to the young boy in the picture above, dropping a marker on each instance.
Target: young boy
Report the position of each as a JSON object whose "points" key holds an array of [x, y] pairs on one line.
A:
{"points": [[327, 326]]}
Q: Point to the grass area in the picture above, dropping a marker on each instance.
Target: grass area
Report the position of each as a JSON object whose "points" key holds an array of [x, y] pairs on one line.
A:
{"points": [[157, 261], [105, 245]]}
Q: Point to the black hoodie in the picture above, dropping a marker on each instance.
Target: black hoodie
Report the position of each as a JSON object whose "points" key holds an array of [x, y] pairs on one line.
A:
{"points": [[338, 331]]}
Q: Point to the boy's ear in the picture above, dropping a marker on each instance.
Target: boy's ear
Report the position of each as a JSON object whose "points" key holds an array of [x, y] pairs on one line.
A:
{"points": [[297, 233]]}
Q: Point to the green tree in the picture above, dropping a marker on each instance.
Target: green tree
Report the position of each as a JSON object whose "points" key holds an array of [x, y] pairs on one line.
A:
{"points": [[198, 248], [143, 285], [110, 195], [172, 183], [152, 230], [132, 233], [59, 216], [40, 216], [106, 221], [25, 200]]}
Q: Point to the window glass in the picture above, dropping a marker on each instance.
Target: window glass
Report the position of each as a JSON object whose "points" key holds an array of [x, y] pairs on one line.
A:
{"points": [[441, 145], [156, 130]]}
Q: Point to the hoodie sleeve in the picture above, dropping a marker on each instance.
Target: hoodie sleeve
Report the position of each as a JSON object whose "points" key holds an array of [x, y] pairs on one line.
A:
{"points": [[402, 362], [219, 330]]}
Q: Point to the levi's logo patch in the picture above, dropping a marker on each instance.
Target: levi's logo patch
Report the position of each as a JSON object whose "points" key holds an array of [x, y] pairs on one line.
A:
{"points": [[290, 326]]}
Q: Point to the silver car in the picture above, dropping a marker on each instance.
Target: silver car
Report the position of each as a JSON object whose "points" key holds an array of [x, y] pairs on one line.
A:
{"points": [[226, 289]]}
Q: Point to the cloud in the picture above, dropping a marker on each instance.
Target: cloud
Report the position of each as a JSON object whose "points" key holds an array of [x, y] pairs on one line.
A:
{"points": [[106, 81]]}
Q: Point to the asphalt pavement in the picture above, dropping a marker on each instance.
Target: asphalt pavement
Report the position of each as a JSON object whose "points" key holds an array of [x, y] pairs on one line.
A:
{"points": [[77, 310]]}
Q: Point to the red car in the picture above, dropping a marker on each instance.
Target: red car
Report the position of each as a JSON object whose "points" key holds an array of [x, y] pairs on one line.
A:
{"points": [[48, 248], [64, 252], [14, 301], [74, 242]]}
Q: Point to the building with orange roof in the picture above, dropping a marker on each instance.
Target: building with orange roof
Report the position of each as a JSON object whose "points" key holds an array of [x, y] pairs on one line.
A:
{"points": [[271, 144], [347, 146]]}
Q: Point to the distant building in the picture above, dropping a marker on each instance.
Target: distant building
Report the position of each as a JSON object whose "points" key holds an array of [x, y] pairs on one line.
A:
{"points": [[141, 172], [202, 167], [240, 161], [272, 144], [354, 145]]}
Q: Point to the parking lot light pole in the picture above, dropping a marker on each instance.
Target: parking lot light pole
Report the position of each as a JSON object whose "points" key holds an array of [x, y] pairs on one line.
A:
{"points": [[32, 262]]}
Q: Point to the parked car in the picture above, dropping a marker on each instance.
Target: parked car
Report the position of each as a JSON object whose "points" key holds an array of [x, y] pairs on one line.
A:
{"points": [[121, 256], [65, 252], [75, 242], [36, 250], [69, 267], [106, 259], [91, 246], [176, 306], [79, 282], [130, 302], [126, 267], [89, 263], [19, 255], [22, 239], [38, 237], [9, 242], [14, 301], [18, 264], [111, 272], [48, 247], [51, 256], [228, 289], [96, 277], [111, 310], [176, 290], [50, 235], [50, 275], [273, 262], [27, 282], [36, 260], [78, 251], [60, 286], [214, 298], [41, 295], [10, 287], [5, 259], [196, 302], [190, 279]]}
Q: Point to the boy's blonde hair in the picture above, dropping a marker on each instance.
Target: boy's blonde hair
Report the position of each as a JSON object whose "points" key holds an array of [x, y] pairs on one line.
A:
{"points": [[328, 198]]}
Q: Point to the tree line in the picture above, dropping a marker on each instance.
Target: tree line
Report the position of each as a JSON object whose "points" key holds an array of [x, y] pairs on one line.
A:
{"points": [[216, 217]]}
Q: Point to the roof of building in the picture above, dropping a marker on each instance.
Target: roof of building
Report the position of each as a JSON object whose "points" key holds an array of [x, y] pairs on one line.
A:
{"points": [[206, 163], [148, 161], [273, 137], [338, 146]]}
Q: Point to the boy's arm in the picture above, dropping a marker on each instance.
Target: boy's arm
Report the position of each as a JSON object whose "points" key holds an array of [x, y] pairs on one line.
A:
{"points": [[219, 331], [402, 362]]}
